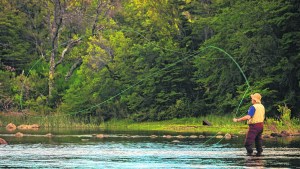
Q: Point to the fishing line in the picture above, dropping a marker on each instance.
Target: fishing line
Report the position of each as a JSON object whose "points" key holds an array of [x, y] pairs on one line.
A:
{"points": [[151, 75], [22, 88], [247, 82], [111, 98], [36, 63], [171, 65]]}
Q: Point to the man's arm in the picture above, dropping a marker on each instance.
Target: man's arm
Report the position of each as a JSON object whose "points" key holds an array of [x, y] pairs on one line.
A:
{"points": [[247, 117], [250, 114]]}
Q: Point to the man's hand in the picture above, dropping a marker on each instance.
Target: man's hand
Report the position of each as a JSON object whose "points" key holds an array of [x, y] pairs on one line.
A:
{"points": [[235, 120]]}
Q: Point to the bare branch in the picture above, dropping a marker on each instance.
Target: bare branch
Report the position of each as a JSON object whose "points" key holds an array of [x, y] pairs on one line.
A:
{"points": [[74, 66], [70, 45]]}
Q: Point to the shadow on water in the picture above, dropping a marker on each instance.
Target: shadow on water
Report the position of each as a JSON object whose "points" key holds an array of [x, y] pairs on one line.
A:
{"points": [[81, 149]]}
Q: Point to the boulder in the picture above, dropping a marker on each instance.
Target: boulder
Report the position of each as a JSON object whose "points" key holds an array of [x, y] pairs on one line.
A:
{"points": [[206, 123], [23, 127], [28, 127], [35, 126], [11, 127], [2, 141], [227, 136]]}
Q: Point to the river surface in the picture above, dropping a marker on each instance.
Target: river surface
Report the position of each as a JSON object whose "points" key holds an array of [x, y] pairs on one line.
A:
{"points": [[81, 149]]}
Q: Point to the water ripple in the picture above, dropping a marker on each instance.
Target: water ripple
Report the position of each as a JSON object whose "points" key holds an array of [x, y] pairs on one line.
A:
{"points": [[140, 155]]}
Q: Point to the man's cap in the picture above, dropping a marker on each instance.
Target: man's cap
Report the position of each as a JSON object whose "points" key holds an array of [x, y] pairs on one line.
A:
{"points": [[256, 97]]}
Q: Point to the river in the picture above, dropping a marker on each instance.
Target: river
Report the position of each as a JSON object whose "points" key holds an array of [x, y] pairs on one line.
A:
{"points": [[81, 149]]}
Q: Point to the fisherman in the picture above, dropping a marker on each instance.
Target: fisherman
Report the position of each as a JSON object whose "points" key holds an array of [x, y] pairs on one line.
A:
{"points": [[255, 118]]}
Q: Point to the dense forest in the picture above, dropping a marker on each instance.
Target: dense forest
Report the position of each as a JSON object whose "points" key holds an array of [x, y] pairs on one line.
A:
{"points": [[148, 60]]}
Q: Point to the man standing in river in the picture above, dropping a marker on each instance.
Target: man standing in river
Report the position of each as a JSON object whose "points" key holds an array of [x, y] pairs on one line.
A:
{"points": [[255, 118]]}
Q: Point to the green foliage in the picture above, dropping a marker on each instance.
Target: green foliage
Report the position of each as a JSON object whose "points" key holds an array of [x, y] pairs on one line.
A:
{"points": [[285, 113], [14, 47], [148, 60], [6, 92]]}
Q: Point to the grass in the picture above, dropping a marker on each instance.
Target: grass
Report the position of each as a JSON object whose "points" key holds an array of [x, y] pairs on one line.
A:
{"points": [[222, 124], [48, 121]]}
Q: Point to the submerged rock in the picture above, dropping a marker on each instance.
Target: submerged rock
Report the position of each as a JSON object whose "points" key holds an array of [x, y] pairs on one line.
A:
{"points": [[201, 136], [19, 134], [153, 136], [167, 136], [49, 135], [101, 135], [296, 134], [267, 136], [180, 136], [219, 136], [275, 135], [193, 136], [282, 134], [2, 141]]}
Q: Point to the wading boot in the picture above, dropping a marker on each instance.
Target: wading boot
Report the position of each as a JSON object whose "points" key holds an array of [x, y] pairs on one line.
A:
{"points": [[258, 154], [249, 154]]}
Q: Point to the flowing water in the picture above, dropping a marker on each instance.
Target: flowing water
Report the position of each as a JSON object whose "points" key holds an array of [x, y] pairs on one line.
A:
{"points": [[80, 149]]}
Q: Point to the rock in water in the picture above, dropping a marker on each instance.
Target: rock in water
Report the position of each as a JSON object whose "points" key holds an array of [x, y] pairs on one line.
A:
{"points": [[19, 134], [11, 127], [2, 141], [227, 136]]}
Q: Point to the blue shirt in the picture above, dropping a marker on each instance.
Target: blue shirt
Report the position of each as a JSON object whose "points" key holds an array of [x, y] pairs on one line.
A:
{"points": [[251, 111]]}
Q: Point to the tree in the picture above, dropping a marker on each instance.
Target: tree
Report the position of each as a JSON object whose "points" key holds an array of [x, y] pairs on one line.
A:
{"points": [[14, 48]]}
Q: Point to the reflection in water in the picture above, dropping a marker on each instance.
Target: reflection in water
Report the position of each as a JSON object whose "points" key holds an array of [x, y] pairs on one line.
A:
{"points": [[255, 162]]}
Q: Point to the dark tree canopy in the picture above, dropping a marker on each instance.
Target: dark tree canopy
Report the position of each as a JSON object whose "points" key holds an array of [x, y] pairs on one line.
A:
{"points": [[148, 60]]}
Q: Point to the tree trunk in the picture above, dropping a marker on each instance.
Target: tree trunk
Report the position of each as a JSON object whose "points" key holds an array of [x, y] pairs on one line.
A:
{"points": [[55, 25]]}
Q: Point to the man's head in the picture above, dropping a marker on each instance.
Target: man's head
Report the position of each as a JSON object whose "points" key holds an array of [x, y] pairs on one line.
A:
{"points": [[256, 97]]}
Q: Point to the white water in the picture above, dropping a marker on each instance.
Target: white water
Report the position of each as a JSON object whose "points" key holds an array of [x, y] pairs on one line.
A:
{"points": [[126, 153]]}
